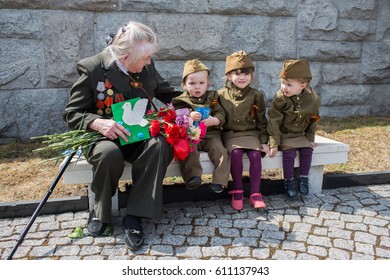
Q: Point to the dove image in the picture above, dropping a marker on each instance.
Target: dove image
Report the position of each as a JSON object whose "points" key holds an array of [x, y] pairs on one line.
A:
{"points": [[135, 115]]}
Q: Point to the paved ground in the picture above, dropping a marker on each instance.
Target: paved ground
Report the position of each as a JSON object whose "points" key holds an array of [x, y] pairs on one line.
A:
{"points": [[343, 223]]}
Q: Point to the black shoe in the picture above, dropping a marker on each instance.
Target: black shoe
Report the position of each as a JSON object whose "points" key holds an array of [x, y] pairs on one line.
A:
{"points": [[194, 183], [133, 232], [290, 188], [216, 188], [303, 186], [95, 227]]}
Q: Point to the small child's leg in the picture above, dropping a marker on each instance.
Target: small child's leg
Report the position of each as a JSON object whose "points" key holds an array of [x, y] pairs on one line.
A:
{"points": [[305, 157], [236, 169], [288, 163], [255, 169], [290, 187]]}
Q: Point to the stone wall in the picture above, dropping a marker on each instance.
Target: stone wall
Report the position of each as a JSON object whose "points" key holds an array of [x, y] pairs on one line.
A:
{"points": [[347, 43]]}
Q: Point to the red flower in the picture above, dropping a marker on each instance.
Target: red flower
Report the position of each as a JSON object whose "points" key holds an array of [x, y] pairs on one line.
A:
{"points": [[181, 149], [177, 130], [203, 129], [173, 133], [154, 128], [170, 116]]}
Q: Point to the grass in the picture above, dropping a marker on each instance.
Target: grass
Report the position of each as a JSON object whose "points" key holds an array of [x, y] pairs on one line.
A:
{"points": [[24, 177]]}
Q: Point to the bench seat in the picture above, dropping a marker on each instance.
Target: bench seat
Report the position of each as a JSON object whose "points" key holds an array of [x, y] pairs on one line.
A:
{"points": [[329, 151]]}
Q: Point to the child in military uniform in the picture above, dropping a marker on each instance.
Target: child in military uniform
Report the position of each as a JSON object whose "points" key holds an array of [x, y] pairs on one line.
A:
{"points": [[293, 115], [245, 128], [204, 107]]}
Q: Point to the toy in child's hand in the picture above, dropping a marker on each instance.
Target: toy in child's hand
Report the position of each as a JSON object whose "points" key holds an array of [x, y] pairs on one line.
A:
{"points": [[204, 111]]}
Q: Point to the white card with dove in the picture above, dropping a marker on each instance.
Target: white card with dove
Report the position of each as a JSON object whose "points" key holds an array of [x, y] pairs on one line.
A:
{"points": [[130, 114]]}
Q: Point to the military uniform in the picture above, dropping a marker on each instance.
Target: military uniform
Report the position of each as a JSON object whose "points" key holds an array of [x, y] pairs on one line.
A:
{"points": [[211, 143], [246, 123], [292, 124], [293, 120], [99, 86]]}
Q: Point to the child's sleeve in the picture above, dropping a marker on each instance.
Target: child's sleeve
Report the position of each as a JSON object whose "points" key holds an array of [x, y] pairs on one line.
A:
{"points": [[262, 122], [275, 119], [216, 109]]}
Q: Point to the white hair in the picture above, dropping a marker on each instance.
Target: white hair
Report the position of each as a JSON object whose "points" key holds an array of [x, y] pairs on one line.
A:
{"points": [[133, 39]]}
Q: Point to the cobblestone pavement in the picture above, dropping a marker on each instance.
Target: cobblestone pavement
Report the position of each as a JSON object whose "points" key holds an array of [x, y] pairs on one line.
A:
{"points": [[343, 223]]}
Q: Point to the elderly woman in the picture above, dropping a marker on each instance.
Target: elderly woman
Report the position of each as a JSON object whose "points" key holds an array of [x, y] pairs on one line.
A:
{"points": [[123, 70]]}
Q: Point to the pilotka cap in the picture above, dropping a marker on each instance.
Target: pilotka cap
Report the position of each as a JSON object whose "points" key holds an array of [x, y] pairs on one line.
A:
{"points": [[238, 60], [193, 66], [295, 69]]}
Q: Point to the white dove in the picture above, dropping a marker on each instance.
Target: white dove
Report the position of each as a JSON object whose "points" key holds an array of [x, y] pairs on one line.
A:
{"points": [[135, 115]]}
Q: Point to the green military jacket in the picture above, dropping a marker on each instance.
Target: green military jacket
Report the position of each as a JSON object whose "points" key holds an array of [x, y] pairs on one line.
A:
{"points": [[209, 99], [293, 116], [245, 113], [101, 84]]}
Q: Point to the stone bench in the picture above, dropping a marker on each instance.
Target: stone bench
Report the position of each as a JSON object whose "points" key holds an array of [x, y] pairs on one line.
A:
{"points": [[79, 171]]}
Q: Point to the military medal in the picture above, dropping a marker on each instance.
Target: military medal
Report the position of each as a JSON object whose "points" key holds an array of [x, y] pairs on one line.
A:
{"points": [[119, 98], [110, 92], [100, 105], [108, 101], [101, 96], [136, 84]]}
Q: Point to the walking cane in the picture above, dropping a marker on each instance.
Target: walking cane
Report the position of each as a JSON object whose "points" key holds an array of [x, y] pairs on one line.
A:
{"points": [[41, 204]]}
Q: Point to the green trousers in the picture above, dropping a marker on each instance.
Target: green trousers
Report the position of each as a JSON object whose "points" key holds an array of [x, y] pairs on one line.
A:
{"points": [[149, 159]]}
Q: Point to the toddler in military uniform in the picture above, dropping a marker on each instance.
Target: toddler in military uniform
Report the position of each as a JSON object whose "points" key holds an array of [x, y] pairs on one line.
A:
{"points": [[245, 128], [293, 116], [204, 107]]}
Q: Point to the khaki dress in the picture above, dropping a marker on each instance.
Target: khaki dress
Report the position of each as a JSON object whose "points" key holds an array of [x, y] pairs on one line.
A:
{"points": [[292, 120], [246, 123]]}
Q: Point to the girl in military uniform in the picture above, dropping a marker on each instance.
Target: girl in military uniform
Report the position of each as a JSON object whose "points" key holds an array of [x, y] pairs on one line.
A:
{"points": [[293, 115], [200, 100], [245, 128]]}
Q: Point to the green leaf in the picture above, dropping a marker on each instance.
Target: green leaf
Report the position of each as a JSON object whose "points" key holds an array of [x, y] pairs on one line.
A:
{"points": [[77, 233]]}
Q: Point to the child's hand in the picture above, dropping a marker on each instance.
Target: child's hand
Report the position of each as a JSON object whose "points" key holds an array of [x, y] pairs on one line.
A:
{"points": [[265, 148], [273, 151], [211, 121], [196, 116], [314, 144]]}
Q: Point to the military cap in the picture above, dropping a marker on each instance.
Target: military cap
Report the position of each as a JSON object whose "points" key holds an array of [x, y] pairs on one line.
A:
{"points": [[295, 69], [238, 60], [193, 66]]}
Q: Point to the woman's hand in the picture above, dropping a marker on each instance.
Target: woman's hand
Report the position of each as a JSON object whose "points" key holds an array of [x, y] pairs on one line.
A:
{"points": [[314, 144], [110, 129]]}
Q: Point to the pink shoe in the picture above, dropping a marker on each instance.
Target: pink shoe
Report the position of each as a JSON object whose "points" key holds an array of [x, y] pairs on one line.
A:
{"points": [[237, 200], [257, 200]]}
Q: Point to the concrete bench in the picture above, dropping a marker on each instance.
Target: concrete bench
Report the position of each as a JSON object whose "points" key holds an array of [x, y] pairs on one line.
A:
{"points": [[79, 171]]}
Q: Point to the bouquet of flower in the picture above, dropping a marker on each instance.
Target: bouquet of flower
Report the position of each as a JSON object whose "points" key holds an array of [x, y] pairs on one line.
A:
{"points": [[178, 128], [175, 125]]}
